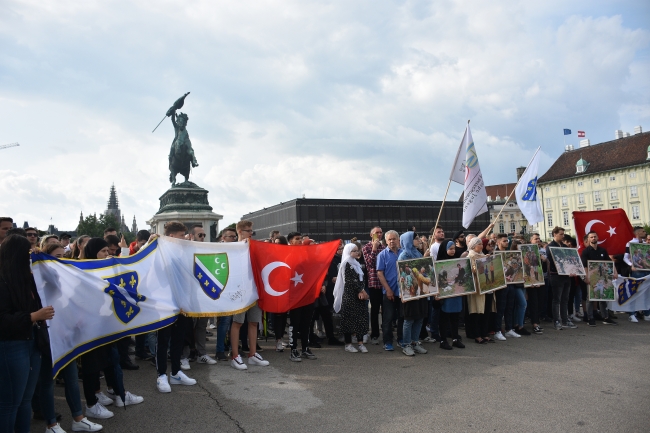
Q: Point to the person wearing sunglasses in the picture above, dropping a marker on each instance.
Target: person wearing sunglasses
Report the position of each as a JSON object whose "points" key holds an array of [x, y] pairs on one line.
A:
{"points": [[32, 236]]}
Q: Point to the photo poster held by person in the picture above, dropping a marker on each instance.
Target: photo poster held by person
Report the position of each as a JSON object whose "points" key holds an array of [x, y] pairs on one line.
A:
{"points": [[489, 274], [454, 278], [567, 261], [640, 256], [601, 280], [416, 278], [533, 272], [513, 268]]}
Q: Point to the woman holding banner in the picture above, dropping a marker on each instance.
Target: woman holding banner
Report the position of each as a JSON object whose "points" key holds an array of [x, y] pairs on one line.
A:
{"points": [[479, 306]]}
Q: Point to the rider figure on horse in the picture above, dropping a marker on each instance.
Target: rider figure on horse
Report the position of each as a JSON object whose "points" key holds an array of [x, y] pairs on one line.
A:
{"points": [[181, 154]]}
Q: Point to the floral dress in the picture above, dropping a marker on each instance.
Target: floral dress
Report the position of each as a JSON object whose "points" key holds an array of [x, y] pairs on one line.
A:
{"points": [[354, 312]]}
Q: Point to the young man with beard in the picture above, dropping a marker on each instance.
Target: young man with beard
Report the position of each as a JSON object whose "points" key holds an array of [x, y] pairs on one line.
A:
{"points": [[459, 240], [370, 252], [593, 251], [560, 285], [253, 314], [32, 237]]}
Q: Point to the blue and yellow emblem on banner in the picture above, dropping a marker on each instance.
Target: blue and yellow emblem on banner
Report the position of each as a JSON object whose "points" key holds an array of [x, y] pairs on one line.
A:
{"points": [[123, 288], [627, 289], [211, 271], [531, 190]]}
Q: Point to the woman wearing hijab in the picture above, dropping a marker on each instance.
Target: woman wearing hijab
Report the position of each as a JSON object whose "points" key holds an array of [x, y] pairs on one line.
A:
{"points": [[103, 359], [449, 314], [350, 298], [479, 306], [414, 311], [21, 316]]}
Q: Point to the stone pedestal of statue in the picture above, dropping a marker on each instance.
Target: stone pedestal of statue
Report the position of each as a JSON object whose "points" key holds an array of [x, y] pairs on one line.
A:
{"points": [[188, 203]]}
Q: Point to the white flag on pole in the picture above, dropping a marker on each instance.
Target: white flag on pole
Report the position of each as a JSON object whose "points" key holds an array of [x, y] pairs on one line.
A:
{"points": [[526, 192], [458, 169], [475, 197]]}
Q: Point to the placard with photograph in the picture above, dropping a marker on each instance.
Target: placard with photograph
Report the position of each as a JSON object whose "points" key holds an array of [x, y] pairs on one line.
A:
{"points": [[567, 261], [533, 272], [416, 278], [490, 274], [513, 268], [640, 256], [601, 280], [454, 278]]}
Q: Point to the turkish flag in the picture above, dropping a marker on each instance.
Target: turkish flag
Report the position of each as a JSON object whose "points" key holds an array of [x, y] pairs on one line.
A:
{"points": [[289, 276], [613, 228]]}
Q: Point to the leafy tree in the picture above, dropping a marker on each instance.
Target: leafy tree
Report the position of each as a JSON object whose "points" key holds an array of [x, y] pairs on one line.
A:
{"points": [[94, 227]]}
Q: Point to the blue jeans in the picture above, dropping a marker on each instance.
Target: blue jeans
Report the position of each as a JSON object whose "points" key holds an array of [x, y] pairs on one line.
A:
{"points": [[45, 390], [20, 364], [520, 304], [390, 310], [411, 330], [223, 325], [152, 340]]}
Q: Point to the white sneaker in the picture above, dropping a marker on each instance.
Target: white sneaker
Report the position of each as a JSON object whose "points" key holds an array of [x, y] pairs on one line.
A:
{"points": [[279, 346], [365, 339], [129, 399], [362, 348], [238, 364], [354, 339], [84, 425], [163, 384], [98, 411], [499, 336], [55, 429], [418, 348], [632, 319], [207, 359], [257, 360], [181, 379], [374, 341], [575, 318], [212, 326], [512, 334], [350, 348], [103, 399], [185, 364], [646, 318]]}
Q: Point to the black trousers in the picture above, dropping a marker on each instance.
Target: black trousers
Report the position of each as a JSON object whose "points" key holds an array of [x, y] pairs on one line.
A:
{"points": [[123, 349], [300, 322], [449, 325], [173, 338], [536, 303], [376, 299], [325, 313], [279, 323]]}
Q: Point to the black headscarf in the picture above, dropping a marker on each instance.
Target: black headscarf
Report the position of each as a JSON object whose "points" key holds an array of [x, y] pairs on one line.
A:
{"points": [[94, 246]]}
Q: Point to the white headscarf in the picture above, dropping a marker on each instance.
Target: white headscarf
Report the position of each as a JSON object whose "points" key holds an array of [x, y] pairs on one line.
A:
{"points": [[340, 278]]}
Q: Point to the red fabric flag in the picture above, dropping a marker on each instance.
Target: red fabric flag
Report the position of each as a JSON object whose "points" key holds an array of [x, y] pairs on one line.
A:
{"points": [[581, 134], [612, 226], [289, 276]]}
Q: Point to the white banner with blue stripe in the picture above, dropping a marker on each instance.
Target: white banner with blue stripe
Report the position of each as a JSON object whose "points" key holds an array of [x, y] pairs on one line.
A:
{"points": [[631, 294], [100, 301]]}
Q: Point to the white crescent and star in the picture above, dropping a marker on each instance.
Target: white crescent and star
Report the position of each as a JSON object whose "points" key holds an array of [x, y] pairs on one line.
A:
{"points": [[611, 231], [266, 272]]}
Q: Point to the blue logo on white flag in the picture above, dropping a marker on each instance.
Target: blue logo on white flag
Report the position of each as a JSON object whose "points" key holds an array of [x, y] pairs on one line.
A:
{"points": [[123, 288], [531, 190], [627, 289]]}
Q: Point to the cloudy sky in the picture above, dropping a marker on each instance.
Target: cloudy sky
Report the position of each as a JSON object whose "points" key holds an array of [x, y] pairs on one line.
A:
{"points": [[331, 99]]}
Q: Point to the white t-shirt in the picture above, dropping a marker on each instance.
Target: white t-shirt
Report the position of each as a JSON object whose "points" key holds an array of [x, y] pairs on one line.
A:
{"points": [[434, 250]]}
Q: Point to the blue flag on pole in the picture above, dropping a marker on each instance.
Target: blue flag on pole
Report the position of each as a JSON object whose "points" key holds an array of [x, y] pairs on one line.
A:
{"points": [[567, 131]]}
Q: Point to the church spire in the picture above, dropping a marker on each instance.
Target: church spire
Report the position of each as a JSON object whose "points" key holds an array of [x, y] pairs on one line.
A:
{"points": [[112, 200], [134, 227]]}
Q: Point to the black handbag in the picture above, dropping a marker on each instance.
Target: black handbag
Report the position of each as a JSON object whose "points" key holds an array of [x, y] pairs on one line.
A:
{"points": [[42, 337]]}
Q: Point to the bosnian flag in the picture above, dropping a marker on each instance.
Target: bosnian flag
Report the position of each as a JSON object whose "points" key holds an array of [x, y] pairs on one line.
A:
{"points": [[526, 192], [581, 134]]}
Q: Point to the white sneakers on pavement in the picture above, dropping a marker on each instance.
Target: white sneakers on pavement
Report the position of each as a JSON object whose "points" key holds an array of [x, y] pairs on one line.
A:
{"points": [[362, 348], [207, 359], [499, 336], [238, 364], [181, 379], [163, 383], [56, 428], [84, 425], [350, 348], [103, 399], [257, 360], [185, 364], [130, 399], [512, 334], [98, 411], [632, 318]]}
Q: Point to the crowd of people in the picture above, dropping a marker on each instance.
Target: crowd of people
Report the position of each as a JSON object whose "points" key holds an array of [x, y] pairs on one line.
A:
{"points": [[361, 287]]}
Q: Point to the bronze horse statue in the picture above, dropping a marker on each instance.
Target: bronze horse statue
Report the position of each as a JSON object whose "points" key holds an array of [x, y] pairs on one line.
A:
{"points": [[181, 154]]}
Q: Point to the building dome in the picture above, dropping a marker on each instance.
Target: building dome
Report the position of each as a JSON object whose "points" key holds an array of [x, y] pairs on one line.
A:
{"points": [[581, 166]]}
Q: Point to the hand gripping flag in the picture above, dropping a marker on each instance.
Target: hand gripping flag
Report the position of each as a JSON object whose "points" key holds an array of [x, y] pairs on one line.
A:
{"points": [[289, 276], [474, 196], [612, 226], [526, 192]]}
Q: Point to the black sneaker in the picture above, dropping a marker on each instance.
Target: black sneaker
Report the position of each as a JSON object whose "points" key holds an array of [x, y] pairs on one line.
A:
{"points": [[445, 345], [522, 331], [307, 354], [537, 330], [592, 322], [295, 356], [457, 343], [609, 321]]}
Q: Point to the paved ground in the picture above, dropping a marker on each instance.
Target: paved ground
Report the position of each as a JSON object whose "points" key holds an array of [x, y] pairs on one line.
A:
{"points": [[582, 380]]}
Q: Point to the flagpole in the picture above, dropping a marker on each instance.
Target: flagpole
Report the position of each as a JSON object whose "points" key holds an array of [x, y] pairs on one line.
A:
{"points": [[514, 189], [431, 238]]}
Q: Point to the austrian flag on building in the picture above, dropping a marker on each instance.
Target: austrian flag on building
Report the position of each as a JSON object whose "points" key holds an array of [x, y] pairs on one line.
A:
{"points": [[581, 134]]}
